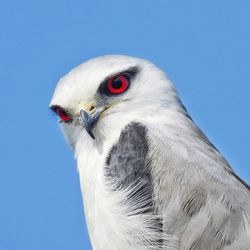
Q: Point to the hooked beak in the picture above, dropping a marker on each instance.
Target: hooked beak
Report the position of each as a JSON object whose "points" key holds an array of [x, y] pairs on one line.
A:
{"points": [[88, 120]]}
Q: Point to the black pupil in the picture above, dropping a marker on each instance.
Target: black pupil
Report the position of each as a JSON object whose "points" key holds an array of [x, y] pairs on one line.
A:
{"points": [[64, 113], [117, 83]]}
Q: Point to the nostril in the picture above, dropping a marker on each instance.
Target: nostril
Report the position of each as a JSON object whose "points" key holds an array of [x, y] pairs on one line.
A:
{"points": [[91, 108]]}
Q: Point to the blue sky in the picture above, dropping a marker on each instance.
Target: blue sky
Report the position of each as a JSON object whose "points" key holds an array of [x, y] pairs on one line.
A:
{"points": [[204, 46]]}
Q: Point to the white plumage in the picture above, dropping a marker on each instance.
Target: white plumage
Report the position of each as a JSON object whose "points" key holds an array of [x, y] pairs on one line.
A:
{"points": [[150, 178]]}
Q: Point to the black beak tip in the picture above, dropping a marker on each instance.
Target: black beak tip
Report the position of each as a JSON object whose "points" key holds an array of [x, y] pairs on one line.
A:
{"points": [[91, 134]]}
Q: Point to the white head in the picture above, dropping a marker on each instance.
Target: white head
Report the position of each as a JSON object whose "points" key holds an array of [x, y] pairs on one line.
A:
{"points": [[114, 90]]}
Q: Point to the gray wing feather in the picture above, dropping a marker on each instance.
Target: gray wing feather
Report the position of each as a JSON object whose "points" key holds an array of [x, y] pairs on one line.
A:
{"points": [[203, 203]]}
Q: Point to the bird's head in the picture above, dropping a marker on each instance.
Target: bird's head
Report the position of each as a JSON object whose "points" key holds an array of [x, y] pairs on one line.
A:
{"points": [[105, 93]]}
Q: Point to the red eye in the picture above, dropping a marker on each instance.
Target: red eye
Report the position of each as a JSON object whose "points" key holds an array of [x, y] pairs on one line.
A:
{"points": [[118, 84], [63, 115]]}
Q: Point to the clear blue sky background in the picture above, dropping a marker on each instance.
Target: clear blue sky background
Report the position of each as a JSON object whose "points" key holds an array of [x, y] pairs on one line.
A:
{"points": [[204, 46]]}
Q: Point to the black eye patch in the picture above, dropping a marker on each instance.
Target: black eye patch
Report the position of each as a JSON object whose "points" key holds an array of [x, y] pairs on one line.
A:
{"points": [[118, 83]]}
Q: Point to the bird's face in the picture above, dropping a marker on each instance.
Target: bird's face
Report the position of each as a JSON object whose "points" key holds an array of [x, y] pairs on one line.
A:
{"points": [[107, 92]]}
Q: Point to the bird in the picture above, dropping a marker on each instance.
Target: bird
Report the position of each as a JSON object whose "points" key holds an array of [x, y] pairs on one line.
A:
{"points": [[149, 177]]}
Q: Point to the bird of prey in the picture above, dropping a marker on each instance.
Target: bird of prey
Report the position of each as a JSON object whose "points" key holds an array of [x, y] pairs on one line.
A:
{"points": [[150, 179]]}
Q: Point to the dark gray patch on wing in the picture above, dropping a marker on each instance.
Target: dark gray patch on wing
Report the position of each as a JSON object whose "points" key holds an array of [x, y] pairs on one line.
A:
{"points": [[127, 163]]}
